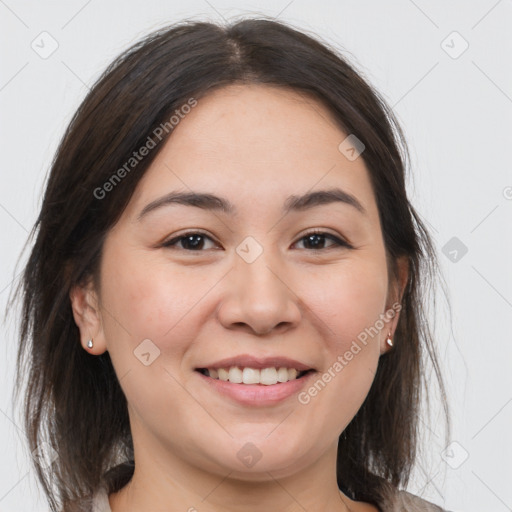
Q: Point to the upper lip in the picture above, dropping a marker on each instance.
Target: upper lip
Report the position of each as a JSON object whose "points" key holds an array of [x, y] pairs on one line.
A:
{"points": [[248, 361]]}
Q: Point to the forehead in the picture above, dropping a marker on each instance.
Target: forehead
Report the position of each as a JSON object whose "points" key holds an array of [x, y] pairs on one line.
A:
{"points": [[255, 141]]}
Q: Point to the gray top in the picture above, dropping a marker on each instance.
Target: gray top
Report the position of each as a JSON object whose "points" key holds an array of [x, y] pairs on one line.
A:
{"points": [[401, 501]]}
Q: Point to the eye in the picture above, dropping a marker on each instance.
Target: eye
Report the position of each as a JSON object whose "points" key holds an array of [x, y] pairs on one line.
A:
{"points": [[196, 241], [192, 241], [316, 240]]}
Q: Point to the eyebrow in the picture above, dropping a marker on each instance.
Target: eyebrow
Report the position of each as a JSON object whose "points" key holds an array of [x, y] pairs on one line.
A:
{"points": [[293, 203]]}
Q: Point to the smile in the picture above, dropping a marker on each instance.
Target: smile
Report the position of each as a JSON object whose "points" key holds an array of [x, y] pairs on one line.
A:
{"points": [[265, 376], [255, 388]]}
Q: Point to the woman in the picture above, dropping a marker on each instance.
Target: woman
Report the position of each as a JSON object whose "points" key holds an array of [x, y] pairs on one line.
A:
{"points": [[222, 307]]}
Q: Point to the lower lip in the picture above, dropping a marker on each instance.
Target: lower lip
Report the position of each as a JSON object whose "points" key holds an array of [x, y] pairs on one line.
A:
{"points": [[257, 394]]}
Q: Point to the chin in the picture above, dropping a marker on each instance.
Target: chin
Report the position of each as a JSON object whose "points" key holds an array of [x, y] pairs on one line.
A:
{"points": [[254, 459]]}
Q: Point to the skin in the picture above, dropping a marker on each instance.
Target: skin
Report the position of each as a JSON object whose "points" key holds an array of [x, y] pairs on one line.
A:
{"points": [[254, 145]]}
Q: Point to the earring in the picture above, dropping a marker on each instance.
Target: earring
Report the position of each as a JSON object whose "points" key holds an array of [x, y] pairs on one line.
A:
{"points": [[389, 341], [89, 343]]}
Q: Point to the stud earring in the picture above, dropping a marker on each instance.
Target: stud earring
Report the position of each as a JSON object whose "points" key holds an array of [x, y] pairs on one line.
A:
{"points": [[89, 343], [389, 341]]}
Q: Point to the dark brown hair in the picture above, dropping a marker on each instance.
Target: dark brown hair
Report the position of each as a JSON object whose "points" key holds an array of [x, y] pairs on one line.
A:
{"points": [[73, 401]]}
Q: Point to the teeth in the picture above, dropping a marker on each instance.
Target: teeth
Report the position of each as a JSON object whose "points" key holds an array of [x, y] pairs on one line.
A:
{"points": [[235, 375], [292, 373], [282, 375], [268, 376], [265, 376], [250, 376]]}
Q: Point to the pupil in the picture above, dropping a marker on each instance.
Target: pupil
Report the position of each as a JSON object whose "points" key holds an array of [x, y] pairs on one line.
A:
{"points": [[314, 239], [193, 241]]}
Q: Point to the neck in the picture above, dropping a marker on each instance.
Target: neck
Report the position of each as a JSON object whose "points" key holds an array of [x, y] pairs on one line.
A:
{"points": [[165, 482]]}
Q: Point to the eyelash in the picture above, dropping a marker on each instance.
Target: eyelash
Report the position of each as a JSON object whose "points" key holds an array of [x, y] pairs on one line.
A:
{"points": [[338, 241]]}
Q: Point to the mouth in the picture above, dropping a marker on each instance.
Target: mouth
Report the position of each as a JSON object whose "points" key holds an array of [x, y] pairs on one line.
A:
{"points": [[255, 381], [255, 387], [268, 376]]}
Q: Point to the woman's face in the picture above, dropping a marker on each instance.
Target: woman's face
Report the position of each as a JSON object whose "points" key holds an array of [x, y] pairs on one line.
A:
{"points": [[193, 284]]}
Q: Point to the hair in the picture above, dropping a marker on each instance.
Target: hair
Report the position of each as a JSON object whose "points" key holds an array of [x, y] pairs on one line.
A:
{"points": [[71, 396]]}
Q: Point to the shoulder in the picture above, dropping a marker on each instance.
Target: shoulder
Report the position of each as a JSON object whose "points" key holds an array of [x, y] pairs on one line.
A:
{"points": [[403, 501], [398, 501], [100, 501]]}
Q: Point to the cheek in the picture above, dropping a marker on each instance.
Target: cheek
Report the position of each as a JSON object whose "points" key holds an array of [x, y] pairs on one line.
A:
{"points": [[349, 305], [349, 299], [147, 299]]}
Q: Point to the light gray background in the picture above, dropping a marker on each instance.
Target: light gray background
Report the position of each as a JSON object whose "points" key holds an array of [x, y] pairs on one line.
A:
{"points": [[456, 113]]}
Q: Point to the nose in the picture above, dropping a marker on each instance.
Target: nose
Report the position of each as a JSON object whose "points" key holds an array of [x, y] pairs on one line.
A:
{"points": [[258, 299]]}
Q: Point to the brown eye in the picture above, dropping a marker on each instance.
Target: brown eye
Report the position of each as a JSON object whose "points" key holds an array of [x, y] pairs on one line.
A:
{"points": [[316, 241], [192, 241]]}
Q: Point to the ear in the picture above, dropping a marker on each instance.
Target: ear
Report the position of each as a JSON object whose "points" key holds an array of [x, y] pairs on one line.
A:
{"points": [[394, 303], [87, 315]]}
